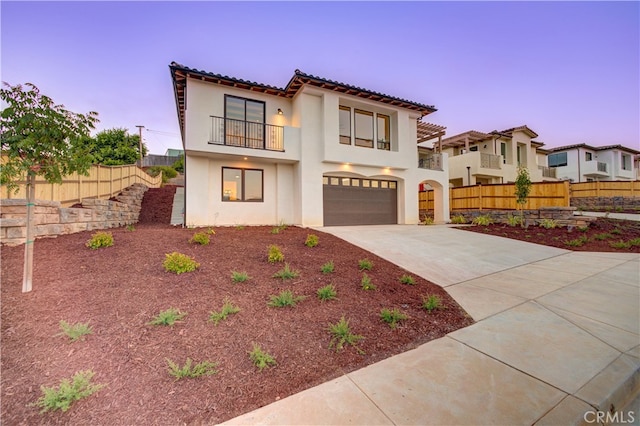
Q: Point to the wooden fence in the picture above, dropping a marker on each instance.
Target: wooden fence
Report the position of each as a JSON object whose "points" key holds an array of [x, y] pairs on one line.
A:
{"points": [[103, 182], [543, 194]]}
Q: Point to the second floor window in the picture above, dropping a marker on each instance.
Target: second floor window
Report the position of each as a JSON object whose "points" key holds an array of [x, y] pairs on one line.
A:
{"points": [[626, 162], [588, 156], [244, 122], [345, 125], [364, 128], [384, 132], [557, 160]]}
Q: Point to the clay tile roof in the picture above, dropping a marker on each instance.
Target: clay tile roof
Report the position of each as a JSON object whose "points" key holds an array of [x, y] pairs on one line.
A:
{"points": [[523, 128]]}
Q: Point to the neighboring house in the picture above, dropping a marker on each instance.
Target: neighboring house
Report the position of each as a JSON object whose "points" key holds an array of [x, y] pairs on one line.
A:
{"points": [[316, 152], [586, 163], [486, 158]]}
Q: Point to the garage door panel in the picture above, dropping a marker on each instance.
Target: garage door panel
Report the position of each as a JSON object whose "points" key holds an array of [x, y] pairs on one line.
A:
{"points": [[354, 205]]}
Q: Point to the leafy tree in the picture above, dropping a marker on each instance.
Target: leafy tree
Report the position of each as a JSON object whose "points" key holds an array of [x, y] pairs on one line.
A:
{"points": [[114, 147], [39, 138], [178, 165], [523, 188]]}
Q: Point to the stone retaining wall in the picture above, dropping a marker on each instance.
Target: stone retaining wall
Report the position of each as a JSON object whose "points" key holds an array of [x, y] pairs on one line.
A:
{"points": [[52, 220], [562, 215], [606, 203]]}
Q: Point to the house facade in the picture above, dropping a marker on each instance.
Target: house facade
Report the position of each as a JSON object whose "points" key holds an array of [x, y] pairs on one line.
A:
{"points": [[586, 163], [487, 158], [314, 153]]}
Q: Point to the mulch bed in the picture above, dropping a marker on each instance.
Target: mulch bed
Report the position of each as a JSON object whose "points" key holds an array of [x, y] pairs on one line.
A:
{"points": [[600, 235], [120, 289]]}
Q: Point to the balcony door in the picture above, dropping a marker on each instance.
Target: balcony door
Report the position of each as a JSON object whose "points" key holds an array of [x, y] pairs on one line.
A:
{"points": [[244, 122]]}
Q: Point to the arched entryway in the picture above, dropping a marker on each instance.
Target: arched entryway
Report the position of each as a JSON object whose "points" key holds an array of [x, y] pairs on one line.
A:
{"points": [[434, 198]]}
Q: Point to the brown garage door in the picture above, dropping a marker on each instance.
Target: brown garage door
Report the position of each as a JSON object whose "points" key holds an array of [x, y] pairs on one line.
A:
{"points": [[351, 201]]}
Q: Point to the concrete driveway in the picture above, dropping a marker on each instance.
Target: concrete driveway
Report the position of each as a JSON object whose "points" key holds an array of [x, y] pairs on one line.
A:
{"points": [[557, 339]]}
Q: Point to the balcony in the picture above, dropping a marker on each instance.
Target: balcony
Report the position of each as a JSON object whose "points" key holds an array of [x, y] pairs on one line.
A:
{"points": [[548, 172], [595, 169], [431, 162], [246, 134], [490, 161]]}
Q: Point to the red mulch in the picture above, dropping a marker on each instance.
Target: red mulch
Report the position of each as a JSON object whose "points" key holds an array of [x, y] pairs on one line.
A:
{"points": [[600, 235], [119, 289]]}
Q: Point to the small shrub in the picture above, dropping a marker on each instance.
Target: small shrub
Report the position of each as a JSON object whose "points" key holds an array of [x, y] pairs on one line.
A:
{"points": [[311, 241], [342, 335], [204, 368], [201, 238], [211, 231], [68, 392], [428, 220], [366, 282], [284, 299], [239, 277], [327, 292], [179, 263], [278, 229], [275, 254], [365, 264], [168, 172], [239, 227], [178, 165], [131, 228], [286, 273], [392, 317], [407, 279], [548, 223], [583, 228], [616, 231], [602, 236], [458, 219], [227, 309], [431, 302], [260, 358], [275, 230], [100, 239], [634, 242], [76, 331], [514, 220], [577, 242], [482, 220], [620, 244], [168, 317], [327, 268]]}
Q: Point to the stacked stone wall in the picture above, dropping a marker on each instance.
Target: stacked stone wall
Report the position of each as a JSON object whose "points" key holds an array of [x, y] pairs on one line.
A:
{"points": [[52, 220], [606, 203], [562, 215]]}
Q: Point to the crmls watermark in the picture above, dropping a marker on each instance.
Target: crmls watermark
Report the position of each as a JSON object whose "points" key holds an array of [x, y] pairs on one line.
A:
{"points": [[606, 417]]}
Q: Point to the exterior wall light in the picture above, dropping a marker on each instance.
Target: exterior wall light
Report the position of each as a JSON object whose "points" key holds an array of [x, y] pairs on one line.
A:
{"points": [[280, 111]]}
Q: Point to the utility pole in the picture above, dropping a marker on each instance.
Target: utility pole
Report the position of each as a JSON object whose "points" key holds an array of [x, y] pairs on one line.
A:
{"points": [[140, 129]]}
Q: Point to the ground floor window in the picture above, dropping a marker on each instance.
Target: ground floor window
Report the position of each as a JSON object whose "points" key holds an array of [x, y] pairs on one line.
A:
{"points": [[242, 184]]}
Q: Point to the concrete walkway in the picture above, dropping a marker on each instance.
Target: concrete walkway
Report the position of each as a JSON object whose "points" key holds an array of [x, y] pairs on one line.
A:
{"points": [[177, 210], [557, 337], [622, 216]]}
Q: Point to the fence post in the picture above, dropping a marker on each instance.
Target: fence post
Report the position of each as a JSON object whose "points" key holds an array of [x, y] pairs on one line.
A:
{"points": [[567, 193], [597, 188], [79, 188], [98, 170], [480, 196]]}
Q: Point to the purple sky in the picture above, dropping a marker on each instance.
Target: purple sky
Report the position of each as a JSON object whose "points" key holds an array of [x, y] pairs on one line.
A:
{"points": [[570, 71]]}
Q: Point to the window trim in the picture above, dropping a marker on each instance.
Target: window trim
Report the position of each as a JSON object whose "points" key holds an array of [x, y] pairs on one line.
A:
{"points": [[243, 185], [367, 143], [340, 135]]}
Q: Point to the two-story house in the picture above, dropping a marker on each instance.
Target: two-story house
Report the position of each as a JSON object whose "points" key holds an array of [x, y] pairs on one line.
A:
{"points": [[316, 152], [586, 163], [486, 158]]}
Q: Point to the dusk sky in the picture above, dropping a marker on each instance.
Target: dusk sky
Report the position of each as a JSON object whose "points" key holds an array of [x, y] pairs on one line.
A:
{"points": [[570, 71]]}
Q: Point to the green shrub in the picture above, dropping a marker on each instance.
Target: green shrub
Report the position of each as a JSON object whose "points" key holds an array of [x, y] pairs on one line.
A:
{"points": [[327, 292], [275, 254], [284, 299], [428, 220], [168, 172], [392, 316], [327, 268], [178, 165], [342, 335], [76, 331], [583, 228], [278, 229], [179, 263], [634, 242], [131, 228], [239, 227], [482, 220], [68, 392], [211, 231], [548, 223], [407, 279], [458, 219], [366, 282], [286, 273], [514, 220], [239, 277], [602, 236], [100, 239], [577, 242], [311, 241], [168, 317], [260, 358], [201, 238], [431, 302], [620, 244], [204, 368], [616, 231], [365, 264], [227, 309]]}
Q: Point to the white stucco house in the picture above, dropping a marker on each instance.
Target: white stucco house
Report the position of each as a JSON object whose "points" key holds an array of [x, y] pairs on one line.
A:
{"points": [[314, 153], [493, 157], [586, 163]]}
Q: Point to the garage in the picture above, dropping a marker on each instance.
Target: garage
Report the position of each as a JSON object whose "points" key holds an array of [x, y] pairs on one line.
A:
{"points": [[356, 201]]}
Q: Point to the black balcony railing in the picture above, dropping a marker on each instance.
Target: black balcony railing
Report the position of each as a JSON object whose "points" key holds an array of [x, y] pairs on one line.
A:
{"points": [[246, 134], [431, 162]]}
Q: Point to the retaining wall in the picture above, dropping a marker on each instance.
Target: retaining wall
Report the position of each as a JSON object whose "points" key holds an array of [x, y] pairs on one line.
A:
{"points": [[606, 203], [52, 220], [562, 215]]}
